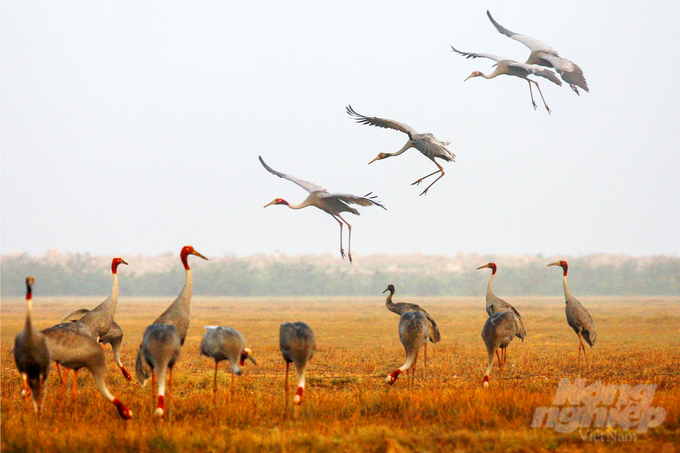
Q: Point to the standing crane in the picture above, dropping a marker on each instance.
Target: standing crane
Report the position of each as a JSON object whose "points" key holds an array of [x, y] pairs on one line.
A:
{"points": [[498, 331], [427, 144], [297, 343], [162, 340], [225, 343], [577, 316], [331, 203], [413, 333], [31, 354], [74, 351], [100, 318], [544, 55], [497, 305], [157, 354], [505, 66], [402, 307]]}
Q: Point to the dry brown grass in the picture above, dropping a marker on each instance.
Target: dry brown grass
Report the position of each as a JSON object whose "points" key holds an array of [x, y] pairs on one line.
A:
{"points": [[347, 406]]}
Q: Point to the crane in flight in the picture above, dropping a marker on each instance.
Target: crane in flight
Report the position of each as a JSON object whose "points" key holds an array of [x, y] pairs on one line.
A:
{"points": [[505, 66], [544, 55], [331, 203], [427, 144]]}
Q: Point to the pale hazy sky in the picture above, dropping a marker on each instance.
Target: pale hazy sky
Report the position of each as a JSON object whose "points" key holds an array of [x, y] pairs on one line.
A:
{"points": [[134, 127]]}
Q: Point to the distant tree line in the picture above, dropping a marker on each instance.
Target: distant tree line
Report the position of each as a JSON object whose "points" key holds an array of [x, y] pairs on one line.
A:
{"points": [[78, 276]]}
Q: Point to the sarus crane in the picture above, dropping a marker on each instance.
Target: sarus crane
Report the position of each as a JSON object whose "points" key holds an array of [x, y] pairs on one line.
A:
{"points": [[225, 343], [577, 316], [31, 354], [505, 66], [413, 333], [297, 343], [497, 333], [331, 203], [544, 55], [427, 144]]}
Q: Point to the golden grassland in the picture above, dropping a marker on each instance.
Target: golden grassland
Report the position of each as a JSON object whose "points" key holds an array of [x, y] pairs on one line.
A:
{"points": [[347, 406]]}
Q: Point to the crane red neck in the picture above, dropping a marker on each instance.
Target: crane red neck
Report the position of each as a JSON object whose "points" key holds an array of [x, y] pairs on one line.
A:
{"points": [[114, 264], [186, 251], [492, 266], [564, 266], [29, 288]]}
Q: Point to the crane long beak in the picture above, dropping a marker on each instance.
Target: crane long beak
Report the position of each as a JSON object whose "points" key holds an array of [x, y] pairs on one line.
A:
{"points": [[270, 203], [377, 158], [122, 261], [199, 255], [468, 77], [556, 263], [482, 267]]}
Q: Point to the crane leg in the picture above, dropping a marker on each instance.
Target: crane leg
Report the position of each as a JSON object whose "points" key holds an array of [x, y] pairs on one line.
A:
{"points": [[215, 380], [539, 92], [441, 170], [532, 95], [73, 386], [27, 389], [349, 239], [342, 251], [582, 346]]}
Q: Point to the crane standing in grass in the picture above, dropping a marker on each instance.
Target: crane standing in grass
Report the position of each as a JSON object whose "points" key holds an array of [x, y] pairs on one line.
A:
{"points": [[225, 343], [498, 331], [577, 316], [31, 354], [497, 305], [297, 343], [427, 144], [331, 203], [402, 307], [100, 318], [413, 333], [162, 340]]}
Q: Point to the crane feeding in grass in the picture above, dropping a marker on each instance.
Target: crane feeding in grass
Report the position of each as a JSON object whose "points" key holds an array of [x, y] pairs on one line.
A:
{"points": [[297, 343], [578, 317], [505, 66], [544, 55], [31, 354], [74, 350], [427, 144], [497, 333], [226, 343], [162, 340], [331, 203], [402, 307], [495, 304], [413, 333]]}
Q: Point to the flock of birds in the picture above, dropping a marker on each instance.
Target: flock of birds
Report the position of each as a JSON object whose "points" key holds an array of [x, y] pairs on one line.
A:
{"points": [[74, 343], [77, 342], [541, 57]]}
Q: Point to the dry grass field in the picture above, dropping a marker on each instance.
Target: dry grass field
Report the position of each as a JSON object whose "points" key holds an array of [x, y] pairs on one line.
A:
{"points": [[347, 406]]}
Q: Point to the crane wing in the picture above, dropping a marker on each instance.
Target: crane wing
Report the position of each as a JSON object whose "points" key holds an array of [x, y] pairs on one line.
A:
{"points": [[531, 43], [366, 200], [308, 186], [570, 71], [495, 58], [538, 71], [381, 122]]}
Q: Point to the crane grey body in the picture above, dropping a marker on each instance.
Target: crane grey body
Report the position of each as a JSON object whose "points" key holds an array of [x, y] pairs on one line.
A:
{"points": [[74, 350], [402, 307], [100, 318], [497, 333], [505, 66], [225, 343], [162, 340], [495, 304], [31, 354], [578, 317], [426, 143], [413, 334], [158, 353], [331, 203], [297, 343], [544, 55], [114, 337]]}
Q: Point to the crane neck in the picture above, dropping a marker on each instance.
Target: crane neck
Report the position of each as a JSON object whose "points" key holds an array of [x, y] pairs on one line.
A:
{"points": [[185, 295], [114, 288], [489, 289], [408, 145], [567, 293], [388, 300]]}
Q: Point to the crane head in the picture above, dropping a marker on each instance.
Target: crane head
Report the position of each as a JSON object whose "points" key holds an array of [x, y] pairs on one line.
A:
{"points": [[562, 264], [392, 377], [474, 74], [186, 251], [491, 266], [29, 287], [246, 354], [380, 157], [114, 264], [277, 201], [390, 288]]}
